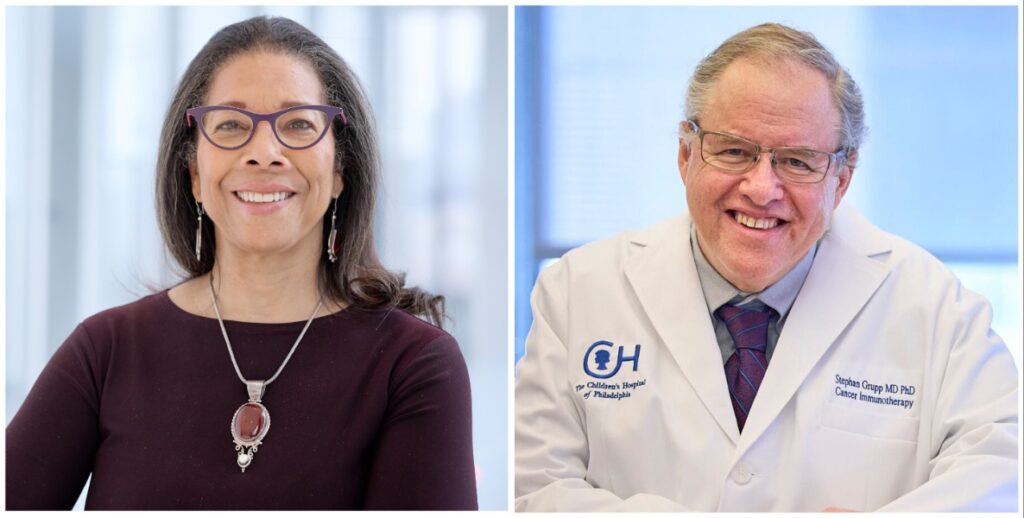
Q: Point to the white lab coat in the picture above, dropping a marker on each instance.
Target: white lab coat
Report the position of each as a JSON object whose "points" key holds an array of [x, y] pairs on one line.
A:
{"points": [[876, 317]]}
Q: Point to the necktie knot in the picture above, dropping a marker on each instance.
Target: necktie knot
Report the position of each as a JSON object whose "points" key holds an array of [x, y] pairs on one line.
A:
{"points": [[748, 327]]}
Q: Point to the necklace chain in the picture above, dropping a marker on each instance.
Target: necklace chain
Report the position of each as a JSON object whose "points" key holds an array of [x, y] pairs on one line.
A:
{"points": [[227, 341]]}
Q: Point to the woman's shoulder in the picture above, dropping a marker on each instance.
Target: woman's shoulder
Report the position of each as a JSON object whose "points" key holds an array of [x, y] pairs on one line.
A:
{"points": [[97, 338], [391, 322], [391, 330], [414, 353], [155, 306]]}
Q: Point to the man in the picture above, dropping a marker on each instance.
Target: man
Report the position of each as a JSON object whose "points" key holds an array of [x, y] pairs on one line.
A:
{"points": [[770, 351]]}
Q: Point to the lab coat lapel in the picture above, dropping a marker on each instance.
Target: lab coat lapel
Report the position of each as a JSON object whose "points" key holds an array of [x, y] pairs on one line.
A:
{"points": [[664, 277], [841, 280]]}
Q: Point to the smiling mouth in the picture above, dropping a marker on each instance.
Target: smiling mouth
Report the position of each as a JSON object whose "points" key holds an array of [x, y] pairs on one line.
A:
{"points": [[756, 223], [263, 197]]}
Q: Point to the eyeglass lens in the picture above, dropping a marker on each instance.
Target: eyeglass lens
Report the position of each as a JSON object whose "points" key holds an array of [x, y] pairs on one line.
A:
{"points": [[297, 128], [733, 154]]}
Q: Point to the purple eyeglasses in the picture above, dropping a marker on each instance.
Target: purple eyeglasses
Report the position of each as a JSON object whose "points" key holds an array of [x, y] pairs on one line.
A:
{"points": [[298, 127]]}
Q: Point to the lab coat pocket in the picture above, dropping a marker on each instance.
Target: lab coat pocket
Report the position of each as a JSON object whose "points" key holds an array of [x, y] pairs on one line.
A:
{"points": [[846, 418]]}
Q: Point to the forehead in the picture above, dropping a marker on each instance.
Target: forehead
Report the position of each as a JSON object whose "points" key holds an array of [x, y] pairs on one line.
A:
{"points": [[265, 80], [774, 102]]}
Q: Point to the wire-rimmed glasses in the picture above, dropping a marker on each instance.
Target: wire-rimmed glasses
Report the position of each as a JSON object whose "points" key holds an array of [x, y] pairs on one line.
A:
{"points": [[737, 155], [297, 127]]}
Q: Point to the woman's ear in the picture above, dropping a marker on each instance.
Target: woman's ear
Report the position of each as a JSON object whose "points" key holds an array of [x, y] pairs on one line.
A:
{"points": [[339, 184], [193, 172]]}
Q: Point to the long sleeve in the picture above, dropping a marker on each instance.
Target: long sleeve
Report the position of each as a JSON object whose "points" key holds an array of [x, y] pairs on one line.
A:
{"points": [[52, 440], [552, 448], [423, 458], [974, 432]]}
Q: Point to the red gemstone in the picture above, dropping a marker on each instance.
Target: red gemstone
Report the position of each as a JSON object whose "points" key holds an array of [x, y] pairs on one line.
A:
{"points": [[249, 422]]}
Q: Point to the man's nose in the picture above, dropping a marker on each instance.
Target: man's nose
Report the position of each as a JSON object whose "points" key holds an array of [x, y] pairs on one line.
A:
{"points": [[760, 183]]}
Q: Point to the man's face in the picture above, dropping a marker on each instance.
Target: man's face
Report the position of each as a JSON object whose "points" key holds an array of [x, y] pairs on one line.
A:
{"points": [[774, 104]]}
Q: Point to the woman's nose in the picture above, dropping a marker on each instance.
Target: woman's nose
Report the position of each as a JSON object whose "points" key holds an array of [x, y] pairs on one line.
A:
{"points": [[264, 149]]}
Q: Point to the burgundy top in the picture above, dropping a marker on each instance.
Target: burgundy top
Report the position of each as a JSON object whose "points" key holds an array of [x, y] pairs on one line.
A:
{"points": [[372, 412]]}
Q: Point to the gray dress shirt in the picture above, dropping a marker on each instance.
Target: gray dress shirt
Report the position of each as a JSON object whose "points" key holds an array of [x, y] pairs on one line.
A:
{"points": [[778, 296]]}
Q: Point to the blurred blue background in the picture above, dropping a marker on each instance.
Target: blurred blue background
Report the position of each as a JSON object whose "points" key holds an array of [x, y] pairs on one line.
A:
{"points": [[600, 91], [87, 89]]}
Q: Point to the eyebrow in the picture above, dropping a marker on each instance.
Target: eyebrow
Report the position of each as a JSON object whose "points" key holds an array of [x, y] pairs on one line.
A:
{"points": [[284, 105], [788, 146]]}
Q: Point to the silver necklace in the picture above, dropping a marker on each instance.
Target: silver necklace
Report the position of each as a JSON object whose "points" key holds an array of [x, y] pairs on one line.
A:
{"points": [[251, 421]]}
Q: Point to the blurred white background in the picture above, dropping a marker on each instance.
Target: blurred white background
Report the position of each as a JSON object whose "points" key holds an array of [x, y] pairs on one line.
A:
{"points": [[600, 93], [87, 89]]}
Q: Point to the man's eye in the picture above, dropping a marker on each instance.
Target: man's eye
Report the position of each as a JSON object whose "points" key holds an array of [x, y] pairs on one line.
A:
{"points": [[796, 163], [733, 154]]}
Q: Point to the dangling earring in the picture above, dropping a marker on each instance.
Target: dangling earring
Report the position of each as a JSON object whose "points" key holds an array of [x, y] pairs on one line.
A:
{"points": [[199, 230], [332, 238]]}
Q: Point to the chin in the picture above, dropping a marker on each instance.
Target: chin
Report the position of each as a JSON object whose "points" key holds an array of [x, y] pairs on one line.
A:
{"points": [[753, 280], [264, 246]]}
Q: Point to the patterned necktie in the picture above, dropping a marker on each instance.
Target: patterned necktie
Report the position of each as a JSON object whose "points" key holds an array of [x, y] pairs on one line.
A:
{"points": [[746, 367]]}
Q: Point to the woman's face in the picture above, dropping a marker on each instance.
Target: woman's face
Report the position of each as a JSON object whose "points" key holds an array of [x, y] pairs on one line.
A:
{"points": [[223, 180]]}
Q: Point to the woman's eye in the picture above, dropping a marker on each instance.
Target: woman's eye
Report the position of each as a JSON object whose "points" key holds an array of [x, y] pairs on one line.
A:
{"points": [[231, 125], [299, 125]]}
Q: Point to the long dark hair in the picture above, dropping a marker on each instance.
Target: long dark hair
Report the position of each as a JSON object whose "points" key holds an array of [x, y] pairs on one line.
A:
{"points": [[357, 278]]}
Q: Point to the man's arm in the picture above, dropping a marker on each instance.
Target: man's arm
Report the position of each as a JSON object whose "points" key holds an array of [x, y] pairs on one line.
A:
{"points": [[974, 466], [552, 449]]}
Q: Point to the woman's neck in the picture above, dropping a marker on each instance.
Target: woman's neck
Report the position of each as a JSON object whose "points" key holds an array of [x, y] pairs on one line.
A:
{"points": [[253, 288], [254, 292]]}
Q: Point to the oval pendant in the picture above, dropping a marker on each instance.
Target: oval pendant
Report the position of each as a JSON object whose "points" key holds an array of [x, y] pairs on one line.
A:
{"points": [[249, 426], [250, 423]]}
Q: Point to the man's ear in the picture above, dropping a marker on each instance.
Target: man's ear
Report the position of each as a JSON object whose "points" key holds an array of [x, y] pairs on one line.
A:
{"points": [[845, 176], [683, 159]]}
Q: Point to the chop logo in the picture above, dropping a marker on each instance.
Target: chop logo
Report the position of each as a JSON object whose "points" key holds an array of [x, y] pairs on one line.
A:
{"points": [[603, 360]]}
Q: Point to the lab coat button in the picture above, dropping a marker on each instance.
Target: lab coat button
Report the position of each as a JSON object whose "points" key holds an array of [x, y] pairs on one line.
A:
{"points": [[741, 475]]}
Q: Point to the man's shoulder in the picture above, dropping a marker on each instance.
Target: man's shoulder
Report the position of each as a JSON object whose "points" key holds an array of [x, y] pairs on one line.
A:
{"points": [[906, 260], [612, 253]]}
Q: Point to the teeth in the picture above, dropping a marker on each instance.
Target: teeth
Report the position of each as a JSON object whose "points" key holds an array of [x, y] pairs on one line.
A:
{"points": [[750, 222], [256, 197]]}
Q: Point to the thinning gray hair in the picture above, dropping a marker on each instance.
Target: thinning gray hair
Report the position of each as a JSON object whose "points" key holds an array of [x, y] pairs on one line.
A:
{"points": [[780, 42]]}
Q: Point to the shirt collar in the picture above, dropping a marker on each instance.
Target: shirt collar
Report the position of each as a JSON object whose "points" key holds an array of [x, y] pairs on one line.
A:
{"points": [[779, 296]]}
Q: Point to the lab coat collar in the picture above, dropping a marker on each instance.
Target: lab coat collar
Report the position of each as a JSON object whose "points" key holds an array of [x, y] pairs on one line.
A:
{"points": [[842, 278], [663, 274]]}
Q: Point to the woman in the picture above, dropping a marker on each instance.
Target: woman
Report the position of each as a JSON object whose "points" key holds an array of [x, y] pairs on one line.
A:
{"points": [[266, 180]]}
